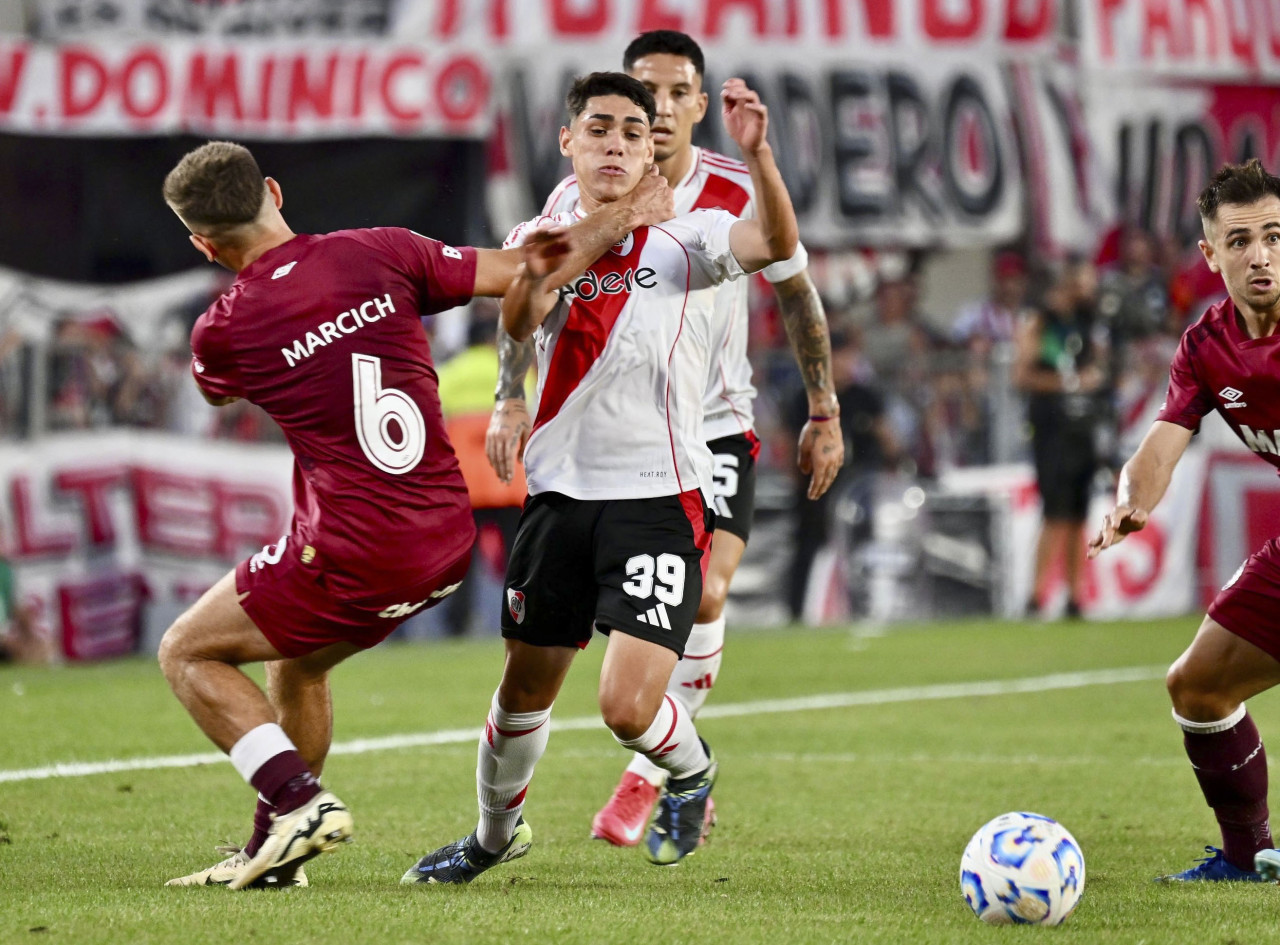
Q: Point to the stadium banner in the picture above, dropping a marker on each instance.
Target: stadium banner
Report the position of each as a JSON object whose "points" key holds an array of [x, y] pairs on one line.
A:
{"points": [[111, 535], [1241, 508], [244, 89], [1219, 40], [1158, 142]]}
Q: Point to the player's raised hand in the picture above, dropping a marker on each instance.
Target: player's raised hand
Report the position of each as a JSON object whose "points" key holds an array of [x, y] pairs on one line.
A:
{"points": [[821, 453], [652, 199], [1119, 522], [745, 118], [508, 432]]}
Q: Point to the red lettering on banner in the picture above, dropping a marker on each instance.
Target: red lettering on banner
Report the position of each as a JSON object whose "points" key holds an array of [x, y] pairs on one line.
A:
{"points": [[654, 15], [1240, 27], [174, 513], [93, 485], [11, 67], [1190, 9], [265, 87], [311, 93], [246, 517], [1131, 583], [1157, 20], [1027, 20], [132, 95], [1107, 10], [212, 82], [568, 19], [77, 67], [29, 540], [1273, 18], [462, 89], [716, 10], [357, 86], [940, 22], [448, 21], [394, 108], [792, 24]]}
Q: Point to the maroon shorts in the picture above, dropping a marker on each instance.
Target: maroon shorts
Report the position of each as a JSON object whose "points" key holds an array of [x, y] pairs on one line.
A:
{"points": [[290, 603], [1249, 604]]}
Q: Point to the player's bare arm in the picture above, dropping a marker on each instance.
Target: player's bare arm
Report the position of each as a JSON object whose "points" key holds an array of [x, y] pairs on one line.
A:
{"points": [[821, 447], [509, 427], [774, 234], [649, 202], [1143, 482], [533, 292]]}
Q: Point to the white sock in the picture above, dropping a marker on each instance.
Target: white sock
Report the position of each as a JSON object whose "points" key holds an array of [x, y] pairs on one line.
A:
{"points": [[509, 750], [1209, 728], [671, 742], [258, 746], [691, 683]]}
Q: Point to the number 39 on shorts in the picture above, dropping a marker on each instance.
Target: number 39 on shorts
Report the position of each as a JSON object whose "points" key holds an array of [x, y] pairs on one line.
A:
{"points": [[389, 424], [661, 577]]}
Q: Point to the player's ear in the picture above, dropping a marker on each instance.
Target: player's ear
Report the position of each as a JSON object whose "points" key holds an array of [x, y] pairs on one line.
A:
{"points": [[1206, 249], [277, 195], [204, 247], [703, 100], [566, 135]]}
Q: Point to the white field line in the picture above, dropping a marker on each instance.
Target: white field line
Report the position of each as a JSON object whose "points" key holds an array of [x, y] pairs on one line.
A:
{"points": [[835, 700]]}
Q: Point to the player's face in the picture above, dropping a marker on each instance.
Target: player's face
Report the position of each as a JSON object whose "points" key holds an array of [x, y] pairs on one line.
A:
{"points": [[677, 89], [610, 146], [1243, 244]]}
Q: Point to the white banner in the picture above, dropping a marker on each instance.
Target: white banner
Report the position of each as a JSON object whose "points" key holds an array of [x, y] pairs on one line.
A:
{"points": [[117, 533]]}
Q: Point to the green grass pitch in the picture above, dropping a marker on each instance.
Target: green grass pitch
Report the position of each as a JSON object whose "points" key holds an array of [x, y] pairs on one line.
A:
{"points": [[837, 824]]}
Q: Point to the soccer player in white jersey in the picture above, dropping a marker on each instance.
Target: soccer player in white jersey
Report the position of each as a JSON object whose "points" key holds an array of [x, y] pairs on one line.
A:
{"points": [[670, 65], [614, 535]]}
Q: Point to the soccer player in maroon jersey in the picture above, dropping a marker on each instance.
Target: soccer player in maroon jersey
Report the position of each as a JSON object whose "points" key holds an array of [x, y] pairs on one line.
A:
{"points": [[1228, 361], [670, 64], [324, 332]]}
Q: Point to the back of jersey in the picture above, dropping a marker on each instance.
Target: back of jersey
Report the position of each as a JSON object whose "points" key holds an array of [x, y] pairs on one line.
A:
{"points": [[323, 333]]}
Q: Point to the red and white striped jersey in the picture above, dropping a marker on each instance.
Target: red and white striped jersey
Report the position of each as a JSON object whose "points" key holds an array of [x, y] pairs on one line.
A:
{"points": [[716, 181], [622, 362]]}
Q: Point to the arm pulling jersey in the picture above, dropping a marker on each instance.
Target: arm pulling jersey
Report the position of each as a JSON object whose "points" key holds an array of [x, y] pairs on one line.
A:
{"points": [[716, 182], [622, 364], [323, 332], [1219, 367]]}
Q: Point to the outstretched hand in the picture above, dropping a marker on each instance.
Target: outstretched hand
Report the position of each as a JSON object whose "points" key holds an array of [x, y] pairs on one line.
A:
{"points": [[543, 251], [652, 200], [745, 118], [1119, 522]]}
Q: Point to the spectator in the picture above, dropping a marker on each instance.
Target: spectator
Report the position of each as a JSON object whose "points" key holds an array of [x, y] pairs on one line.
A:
{"points": [[869, 446], [21, 639], [1133, 295], [1061, 354]]}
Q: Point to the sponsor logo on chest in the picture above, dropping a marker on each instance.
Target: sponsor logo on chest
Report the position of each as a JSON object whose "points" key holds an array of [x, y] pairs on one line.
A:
{"points": [[346, 323], [593, 285], [1260, 441], [1231, 398]]}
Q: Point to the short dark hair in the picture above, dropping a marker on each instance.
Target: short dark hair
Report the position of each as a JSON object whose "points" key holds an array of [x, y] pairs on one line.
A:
{"points": [[670, 42], [609, 83], [218, 186], [1237, 184]]}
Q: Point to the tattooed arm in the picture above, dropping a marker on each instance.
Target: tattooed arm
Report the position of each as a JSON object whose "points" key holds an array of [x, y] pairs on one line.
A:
{"points": [[509, 427], [821, 447]]}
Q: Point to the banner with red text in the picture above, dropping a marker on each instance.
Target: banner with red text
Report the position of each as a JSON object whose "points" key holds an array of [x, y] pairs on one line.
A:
{"points": [[112, 535]]}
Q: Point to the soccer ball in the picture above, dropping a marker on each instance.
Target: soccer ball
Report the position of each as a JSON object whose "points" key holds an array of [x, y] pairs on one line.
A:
{"points": [[1022, 868]]}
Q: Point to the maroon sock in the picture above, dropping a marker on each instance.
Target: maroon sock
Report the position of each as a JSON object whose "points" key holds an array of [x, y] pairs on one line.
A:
{"points": [[1231, 767], [261, 827], [285, 781]]}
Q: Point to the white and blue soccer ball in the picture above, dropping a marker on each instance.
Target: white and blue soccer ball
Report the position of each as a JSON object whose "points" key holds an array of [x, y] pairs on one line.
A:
{"points": [[1022, 868]]}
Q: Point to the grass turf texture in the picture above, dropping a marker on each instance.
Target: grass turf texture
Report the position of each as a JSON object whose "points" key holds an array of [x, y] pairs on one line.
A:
{"points": [[836, 825]]}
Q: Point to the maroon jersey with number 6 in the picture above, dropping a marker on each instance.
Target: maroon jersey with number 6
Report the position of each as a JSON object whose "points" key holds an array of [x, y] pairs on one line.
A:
{"points": [[323, 333], [1219, 367]]}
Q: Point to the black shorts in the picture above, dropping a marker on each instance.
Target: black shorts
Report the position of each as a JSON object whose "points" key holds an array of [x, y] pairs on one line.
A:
{"points": [[734, 482], [634, 565], [1066, 463]]}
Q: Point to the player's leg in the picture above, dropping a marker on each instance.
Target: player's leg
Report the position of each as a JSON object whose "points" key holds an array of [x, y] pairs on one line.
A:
{"points": [[649, 565], [1208, 685], [200, 656], [550, 596]]}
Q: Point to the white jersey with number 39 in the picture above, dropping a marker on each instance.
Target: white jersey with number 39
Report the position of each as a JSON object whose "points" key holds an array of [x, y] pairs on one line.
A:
{"points": [[716, 181], [622, 363]]}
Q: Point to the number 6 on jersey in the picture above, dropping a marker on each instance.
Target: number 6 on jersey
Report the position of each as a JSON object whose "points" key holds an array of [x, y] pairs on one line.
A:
{"points": [[376, 408]]}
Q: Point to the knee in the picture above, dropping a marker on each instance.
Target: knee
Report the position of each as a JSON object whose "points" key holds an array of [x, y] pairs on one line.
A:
{"points": [[1193, 697], [625, 718], [173, 652], [519, 699], [714, 594]]}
